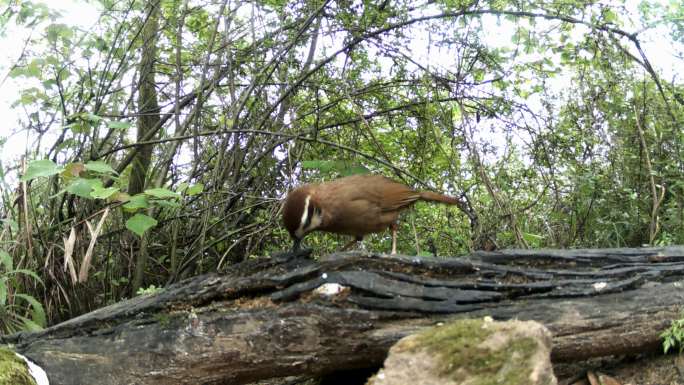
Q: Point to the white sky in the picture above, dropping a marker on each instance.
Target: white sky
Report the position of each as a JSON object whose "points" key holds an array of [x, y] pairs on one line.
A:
{"points": [[76, 12], [73, 12]]}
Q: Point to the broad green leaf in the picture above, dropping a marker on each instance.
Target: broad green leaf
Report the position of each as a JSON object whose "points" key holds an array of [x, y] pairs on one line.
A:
{"points": [[6, 260], [118, 125], [121, 197], [161, 193], [80, 187], [34, 68], [30, 273], [195, 189], [312, 164], [99, 166], [139, 223], [137, 202], [345, 168], [30, 325], [353, 170], [58, 30], [103, 193], [96, 183], [41, 168], [37, 313], [181, 187]]}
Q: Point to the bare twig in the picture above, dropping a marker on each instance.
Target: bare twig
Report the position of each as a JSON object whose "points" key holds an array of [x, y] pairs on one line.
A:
{"points": [[654, 226]]}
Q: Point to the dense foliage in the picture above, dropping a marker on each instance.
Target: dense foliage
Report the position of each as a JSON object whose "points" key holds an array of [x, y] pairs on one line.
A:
{"points": [[162, 137]]}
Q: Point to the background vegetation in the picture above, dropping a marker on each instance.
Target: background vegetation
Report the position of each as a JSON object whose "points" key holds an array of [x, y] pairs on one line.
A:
{"points": [[162, 138]]}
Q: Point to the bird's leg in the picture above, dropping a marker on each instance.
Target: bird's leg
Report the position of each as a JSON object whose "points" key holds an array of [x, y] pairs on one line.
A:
{"points": [[394, 226]]}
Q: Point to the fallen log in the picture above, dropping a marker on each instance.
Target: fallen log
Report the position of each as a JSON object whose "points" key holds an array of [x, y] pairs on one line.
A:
{"points": [[265, 319]]}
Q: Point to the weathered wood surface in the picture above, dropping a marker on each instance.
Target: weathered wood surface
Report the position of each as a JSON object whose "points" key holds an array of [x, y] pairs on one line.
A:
{"points": [[261, 320]]}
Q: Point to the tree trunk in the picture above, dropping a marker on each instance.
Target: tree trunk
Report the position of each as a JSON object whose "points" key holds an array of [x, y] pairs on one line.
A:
{"points": [[264, 319], [148, 119]]}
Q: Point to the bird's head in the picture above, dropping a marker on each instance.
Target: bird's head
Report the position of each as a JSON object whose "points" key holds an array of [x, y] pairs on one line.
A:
{"points": [[301, 214]]}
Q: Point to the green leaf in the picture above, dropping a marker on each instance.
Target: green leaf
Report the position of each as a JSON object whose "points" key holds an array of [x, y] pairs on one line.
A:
{"points": [[118, 125], [137, 202], [30, 273], [99, 166], [195, 189], [139, 223], [30, 325], [103, 193], [354, 170], [34, 68], [41, 168], [3, 291], [312, 164], [80, 187], [6, 260], [57, 31], [91, 117], [609, 16], [161, 193], [37, 313]]}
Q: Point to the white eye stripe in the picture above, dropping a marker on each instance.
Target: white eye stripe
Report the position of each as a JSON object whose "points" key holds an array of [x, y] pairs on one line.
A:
{"points": [[305, 214], [311, 218]]}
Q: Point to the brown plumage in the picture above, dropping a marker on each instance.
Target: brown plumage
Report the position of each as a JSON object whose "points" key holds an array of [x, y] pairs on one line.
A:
{"points": [[355, 205]]}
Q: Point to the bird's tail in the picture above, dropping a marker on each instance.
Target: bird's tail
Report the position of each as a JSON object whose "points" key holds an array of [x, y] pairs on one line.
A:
{"points": [[435, 197]]}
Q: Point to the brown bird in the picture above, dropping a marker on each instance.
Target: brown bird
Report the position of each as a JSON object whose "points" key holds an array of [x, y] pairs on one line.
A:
{"points": [[355, 205]]}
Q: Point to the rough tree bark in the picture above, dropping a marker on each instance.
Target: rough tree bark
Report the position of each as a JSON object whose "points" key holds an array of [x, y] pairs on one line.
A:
{"points": [[148, 119], [265, 319]]}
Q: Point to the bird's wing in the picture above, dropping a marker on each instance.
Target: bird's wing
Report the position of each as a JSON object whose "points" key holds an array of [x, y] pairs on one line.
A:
{"points": [[389, 195], [398, 198], [377, 191]]}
